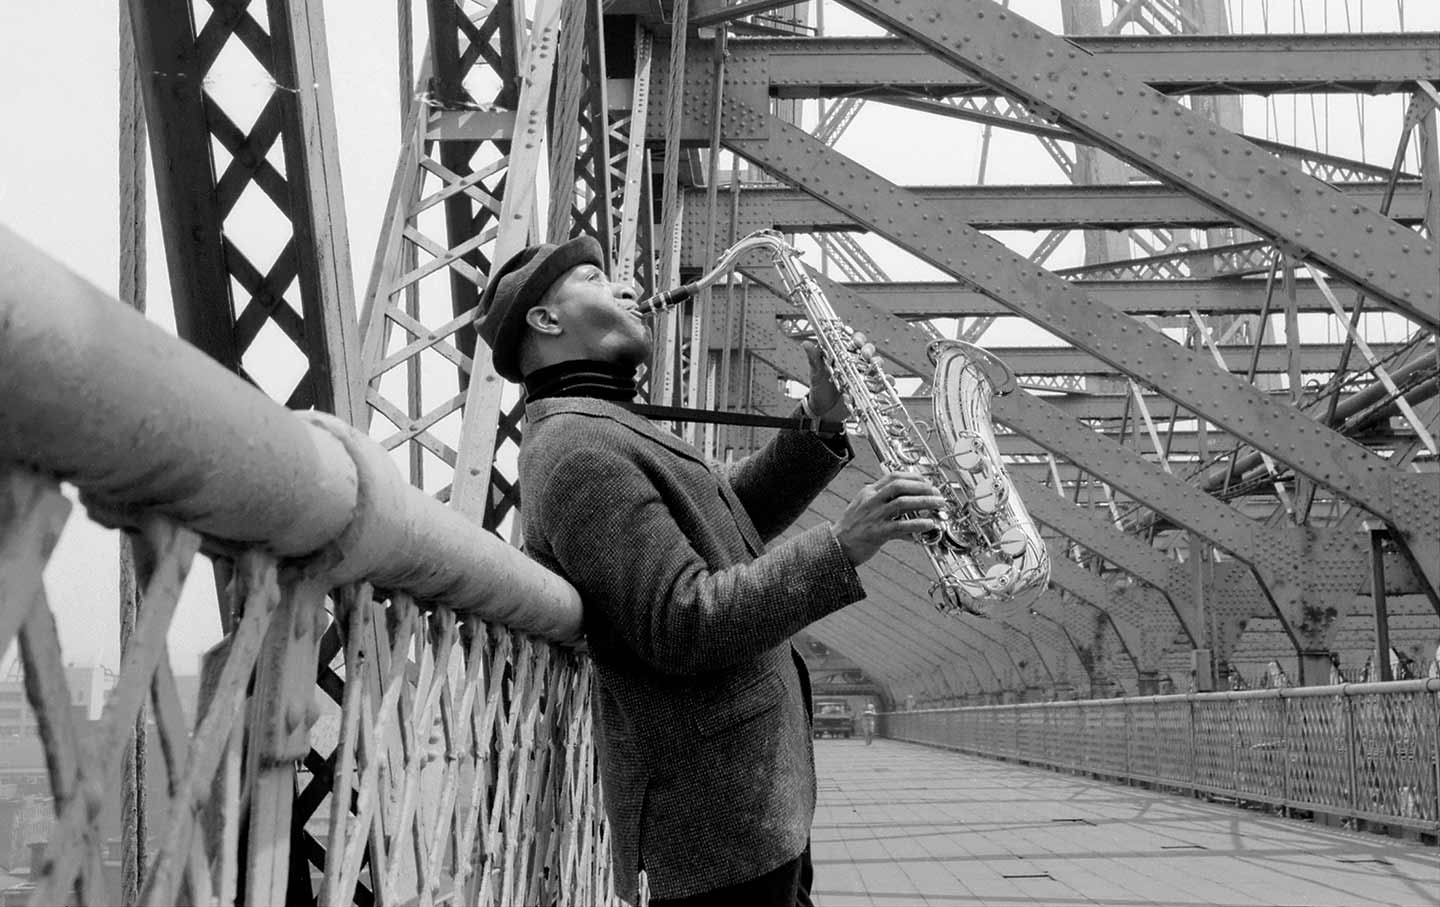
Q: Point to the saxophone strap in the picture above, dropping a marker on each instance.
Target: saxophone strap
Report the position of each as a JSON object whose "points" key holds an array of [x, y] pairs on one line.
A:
{"points": [[718, 417]]}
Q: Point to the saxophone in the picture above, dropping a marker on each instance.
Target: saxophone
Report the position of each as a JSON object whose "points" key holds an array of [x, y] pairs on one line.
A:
{"points": [[987, 550]]}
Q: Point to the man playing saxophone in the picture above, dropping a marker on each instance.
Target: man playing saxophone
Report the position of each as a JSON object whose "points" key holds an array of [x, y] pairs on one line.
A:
{"points": [[701, 716]]}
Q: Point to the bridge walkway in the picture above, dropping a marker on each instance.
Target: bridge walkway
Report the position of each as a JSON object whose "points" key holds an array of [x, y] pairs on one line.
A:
{"points": [[901, 824]]}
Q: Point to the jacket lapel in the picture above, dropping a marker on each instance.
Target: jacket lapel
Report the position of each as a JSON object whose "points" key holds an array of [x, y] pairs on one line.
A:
{"points": [[542, 409]]}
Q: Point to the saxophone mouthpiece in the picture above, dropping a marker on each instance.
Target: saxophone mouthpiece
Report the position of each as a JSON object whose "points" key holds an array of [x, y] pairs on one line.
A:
{"points": [[662, 301]]}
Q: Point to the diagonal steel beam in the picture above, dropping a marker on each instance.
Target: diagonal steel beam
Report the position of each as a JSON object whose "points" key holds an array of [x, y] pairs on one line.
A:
{"points": [[880, 67], [934, 299], [1036, 206], [1104, 103], [1087, 587], [1122, 549]]}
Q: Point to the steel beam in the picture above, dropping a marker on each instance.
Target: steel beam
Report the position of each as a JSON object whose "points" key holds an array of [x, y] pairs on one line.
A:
{"points": [[933, 299], [1118, 112], [1184, 445], [305, 291], [1307, 574], [829, 67], [1122, 549], [1270, 359], [1027, 207], [1089, 588]]}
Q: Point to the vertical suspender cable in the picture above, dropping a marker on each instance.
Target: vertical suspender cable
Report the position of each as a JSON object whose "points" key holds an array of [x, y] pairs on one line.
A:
{"points": [[670, 176], [700, 334], [132, 291]]}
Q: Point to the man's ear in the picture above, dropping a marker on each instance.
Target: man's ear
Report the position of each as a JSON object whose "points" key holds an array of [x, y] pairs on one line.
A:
{"points": [[542, 320]]}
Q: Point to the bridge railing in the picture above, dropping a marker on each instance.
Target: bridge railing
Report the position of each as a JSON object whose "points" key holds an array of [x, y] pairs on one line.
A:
{"points": [[1364, 751], [390, 716]]}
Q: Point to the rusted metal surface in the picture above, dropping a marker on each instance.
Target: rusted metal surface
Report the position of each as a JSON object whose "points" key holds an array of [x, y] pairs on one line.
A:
{"points": [[1361, 751]]}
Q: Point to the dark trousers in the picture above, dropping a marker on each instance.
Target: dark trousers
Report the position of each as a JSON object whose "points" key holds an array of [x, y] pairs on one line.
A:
{"points": [[785, 886]]}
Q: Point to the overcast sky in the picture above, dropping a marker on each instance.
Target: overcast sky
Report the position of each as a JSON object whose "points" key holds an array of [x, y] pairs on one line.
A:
{"points": [[59, 161]]}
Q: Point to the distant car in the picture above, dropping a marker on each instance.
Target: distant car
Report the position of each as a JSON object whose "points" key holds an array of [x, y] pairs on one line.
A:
{"points": [[833, 718]]}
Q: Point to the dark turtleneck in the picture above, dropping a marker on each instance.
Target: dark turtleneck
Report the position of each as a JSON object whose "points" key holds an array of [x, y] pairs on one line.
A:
{"points": [[582, 378]]}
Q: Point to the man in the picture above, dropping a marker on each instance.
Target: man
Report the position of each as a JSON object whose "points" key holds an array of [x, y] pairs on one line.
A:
{"points": [[700, 714]]}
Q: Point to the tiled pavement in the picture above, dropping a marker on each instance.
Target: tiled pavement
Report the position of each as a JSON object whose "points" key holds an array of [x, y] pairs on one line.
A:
{"points": [[900, 824]]}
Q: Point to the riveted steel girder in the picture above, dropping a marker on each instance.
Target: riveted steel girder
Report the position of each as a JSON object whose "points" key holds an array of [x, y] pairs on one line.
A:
{"points": [[1089, 588], [1052, 609], [1271, 358], [1027, 207], [1180, 374], [1308, 574], [1182, 445], [1103, 102], [1174, 64], [1122, 549], [305, 291], [1115, 407], [931, 299]]}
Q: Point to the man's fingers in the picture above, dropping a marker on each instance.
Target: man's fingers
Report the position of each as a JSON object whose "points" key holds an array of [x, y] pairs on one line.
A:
{"points": [[911, 504], [912, 526], [896, 484]]}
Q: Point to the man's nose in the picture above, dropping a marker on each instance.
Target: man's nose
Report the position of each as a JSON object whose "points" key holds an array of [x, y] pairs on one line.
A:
{"points": [[624, 290]]}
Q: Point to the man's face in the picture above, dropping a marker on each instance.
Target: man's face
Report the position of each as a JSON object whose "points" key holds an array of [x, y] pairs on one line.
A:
{"points": [[600, 316]]}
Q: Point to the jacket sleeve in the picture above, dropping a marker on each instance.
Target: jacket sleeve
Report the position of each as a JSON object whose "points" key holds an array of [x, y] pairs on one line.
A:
{"points": [[776, 483], [628, 556]]}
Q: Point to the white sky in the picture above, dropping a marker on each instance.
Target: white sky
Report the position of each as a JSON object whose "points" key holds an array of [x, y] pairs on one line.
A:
{"points": [[59, 164]]}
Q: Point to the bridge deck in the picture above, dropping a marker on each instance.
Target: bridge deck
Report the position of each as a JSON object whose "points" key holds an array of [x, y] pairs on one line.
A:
{"points": [[900, 824]]}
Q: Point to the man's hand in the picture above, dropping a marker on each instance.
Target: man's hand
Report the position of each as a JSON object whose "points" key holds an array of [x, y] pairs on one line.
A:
{"points": [[826, 401], [900, 504]]}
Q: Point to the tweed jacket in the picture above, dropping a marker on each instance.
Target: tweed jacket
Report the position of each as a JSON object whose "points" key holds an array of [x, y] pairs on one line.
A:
{"points": [[706, 762]]}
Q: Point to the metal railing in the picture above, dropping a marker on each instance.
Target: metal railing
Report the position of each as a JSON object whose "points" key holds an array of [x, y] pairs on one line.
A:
{"points": [[389, 717], [1362, 751]]}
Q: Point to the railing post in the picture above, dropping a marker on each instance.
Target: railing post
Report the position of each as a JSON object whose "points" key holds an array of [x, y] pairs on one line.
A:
{"points": [[1434, 695], [1194, 761], [1232, 731], [1129, 726], [1286, 754], [1350, 744]]}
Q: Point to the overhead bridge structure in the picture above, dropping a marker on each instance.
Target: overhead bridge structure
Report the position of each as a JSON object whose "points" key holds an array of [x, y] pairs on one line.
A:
{"points": [[1207, 245]]}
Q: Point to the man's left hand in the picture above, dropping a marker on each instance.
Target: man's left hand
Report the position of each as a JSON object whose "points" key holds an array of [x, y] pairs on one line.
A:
{"points": [[826, 401]]}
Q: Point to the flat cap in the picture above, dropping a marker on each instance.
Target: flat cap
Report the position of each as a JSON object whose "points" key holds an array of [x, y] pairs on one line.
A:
{"points": [[517, 286]]}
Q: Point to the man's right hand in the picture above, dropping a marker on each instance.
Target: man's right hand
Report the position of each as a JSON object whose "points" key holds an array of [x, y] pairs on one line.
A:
{"points": [[900, 504]]}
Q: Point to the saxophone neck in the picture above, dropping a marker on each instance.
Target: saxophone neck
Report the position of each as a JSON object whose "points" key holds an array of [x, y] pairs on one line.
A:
{"points": [[724, 265]]}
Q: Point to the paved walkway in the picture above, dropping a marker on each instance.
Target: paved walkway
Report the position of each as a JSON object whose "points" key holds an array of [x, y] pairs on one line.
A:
{"points": [[901, 824]]}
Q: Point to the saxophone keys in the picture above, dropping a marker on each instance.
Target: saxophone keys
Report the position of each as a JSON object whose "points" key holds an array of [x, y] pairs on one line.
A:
{"points": [[986, 500], [996, 573], [1013, 541], [968, 453]]}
